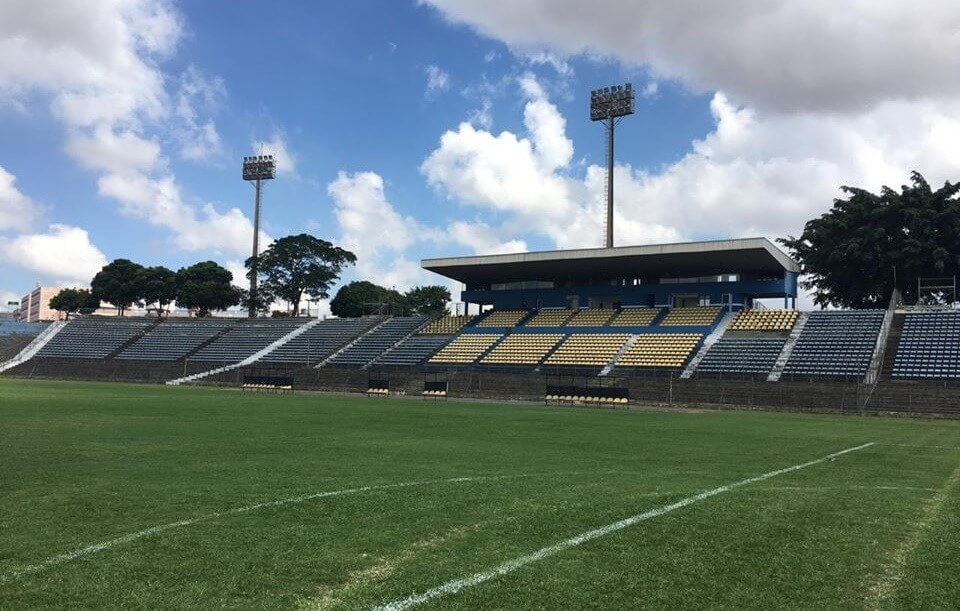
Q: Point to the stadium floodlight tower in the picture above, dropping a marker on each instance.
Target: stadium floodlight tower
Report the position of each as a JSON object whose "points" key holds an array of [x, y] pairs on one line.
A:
{"points": [[256, 169], [610, 105]]}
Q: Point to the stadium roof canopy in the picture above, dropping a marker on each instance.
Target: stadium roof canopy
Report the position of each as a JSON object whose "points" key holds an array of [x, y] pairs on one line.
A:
{"points": [[746, 255]]}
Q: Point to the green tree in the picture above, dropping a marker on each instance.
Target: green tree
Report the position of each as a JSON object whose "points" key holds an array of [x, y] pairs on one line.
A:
{"points": [[159, 286], [264, 300], [205, 287], [427, 299], [300, 265], [850, 253], [361, 297], [119, 282], [71, 300]]}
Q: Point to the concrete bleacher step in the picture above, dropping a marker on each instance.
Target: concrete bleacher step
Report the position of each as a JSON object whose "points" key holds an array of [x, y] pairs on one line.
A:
{"points": [[616, 357], [250, 359], [876, 360], [420, 328], [207, 342], [34, 346], [350, 344], [777, 371], [893, 342], [134, 339], [708, 342]]}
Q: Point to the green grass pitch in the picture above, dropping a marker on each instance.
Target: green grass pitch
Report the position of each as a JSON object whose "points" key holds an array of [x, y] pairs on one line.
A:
{"points": [[234, 480]]}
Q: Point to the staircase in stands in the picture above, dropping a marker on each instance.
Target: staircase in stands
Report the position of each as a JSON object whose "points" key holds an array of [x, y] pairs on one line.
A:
{"points": [[709, 341], [777, 370], [33, 347], [351, 343], [250, 359]]}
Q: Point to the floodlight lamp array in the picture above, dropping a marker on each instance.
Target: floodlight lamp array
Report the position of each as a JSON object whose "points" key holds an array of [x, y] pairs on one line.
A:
{"points": [[259, 167], [611, 102]]}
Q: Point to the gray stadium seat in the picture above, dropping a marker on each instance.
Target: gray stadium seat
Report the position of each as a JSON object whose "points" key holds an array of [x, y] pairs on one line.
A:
{"points": [[320, 341], [93, 337], [929, 346], [172, 340], [747, 355], [378, 341], [248, 337], [836, 343]]}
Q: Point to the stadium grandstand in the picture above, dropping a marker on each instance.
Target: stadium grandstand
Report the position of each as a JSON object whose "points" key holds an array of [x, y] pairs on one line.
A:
{"points": [[689, 322]]}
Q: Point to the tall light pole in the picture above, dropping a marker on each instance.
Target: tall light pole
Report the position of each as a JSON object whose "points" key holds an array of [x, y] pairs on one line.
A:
{"points": [[256, 169], [610, 105]]}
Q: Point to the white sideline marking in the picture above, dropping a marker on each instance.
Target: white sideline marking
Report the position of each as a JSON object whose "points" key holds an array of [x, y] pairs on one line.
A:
{"points": [[918, 445], [452, 587], [154, 530]]}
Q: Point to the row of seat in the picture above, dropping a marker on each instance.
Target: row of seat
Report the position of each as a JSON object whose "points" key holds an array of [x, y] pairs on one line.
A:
{"points": [[27, 329], [466, 348], [284, 388], [522, 349], [703, 316], [588, 349], [503, 318], [174, 339], [93, 337], [378, 341], [653, 350], [320, 341], [764, 320], [747, 355], [549, 318], [447, 324], [246, 338], [660, 350], [836, 343], [929, 346], [412, 351], [586, 399]]}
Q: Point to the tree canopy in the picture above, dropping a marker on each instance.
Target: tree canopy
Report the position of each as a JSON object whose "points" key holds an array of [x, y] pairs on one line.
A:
{"points": [[361, 297], [69, 301], [300, 265], [849, 254], [158, 285], [119, 282], [428, 299], [206, 287]]}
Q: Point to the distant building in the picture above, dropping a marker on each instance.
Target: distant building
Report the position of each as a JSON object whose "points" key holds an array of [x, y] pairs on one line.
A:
{"points": [[35, 305]]}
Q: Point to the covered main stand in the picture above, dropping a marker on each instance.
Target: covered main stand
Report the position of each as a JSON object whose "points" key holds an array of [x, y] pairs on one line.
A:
{"points": [[723, 272]]}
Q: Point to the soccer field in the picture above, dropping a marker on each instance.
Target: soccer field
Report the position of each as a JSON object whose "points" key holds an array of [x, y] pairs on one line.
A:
{"points": [[156, 497]]}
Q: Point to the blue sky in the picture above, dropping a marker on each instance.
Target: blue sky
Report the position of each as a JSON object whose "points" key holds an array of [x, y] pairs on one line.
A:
{"points": [[418, 129]]}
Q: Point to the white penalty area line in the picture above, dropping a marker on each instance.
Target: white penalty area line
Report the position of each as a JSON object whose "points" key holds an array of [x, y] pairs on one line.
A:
{"points": [[155, 530], [452, 587]]}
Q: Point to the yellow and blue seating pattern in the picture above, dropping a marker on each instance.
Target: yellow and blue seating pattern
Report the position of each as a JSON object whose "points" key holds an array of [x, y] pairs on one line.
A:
{"points": [[660, 350], [465, 348], [522, 349], [588, 349]]}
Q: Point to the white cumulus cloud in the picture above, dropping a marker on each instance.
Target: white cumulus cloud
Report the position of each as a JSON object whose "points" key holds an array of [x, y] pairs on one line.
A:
{"points": [[99, 63], [17, 211], [63, 252], [776, 55], [277, 146]]}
